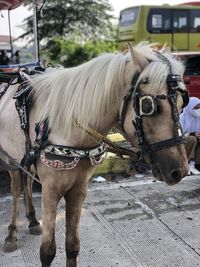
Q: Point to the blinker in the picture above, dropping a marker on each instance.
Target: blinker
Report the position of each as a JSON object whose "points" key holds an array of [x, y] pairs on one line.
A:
{"points": [[173, 79], [147, 105], [186, 98]]}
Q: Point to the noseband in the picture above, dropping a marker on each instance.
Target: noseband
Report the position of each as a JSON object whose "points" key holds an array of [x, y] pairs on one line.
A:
{"points": [[146, 105]]}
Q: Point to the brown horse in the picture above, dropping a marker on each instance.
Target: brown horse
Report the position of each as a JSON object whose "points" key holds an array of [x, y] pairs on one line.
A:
{"points": [[93, 96]]}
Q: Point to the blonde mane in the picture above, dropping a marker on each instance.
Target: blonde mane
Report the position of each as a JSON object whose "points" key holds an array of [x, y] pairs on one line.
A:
{"points": [[81, 94], [157, 71]]}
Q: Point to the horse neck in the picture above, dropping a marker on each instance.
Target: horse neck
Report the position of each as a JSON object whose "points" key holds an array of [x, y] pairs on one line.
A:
{"points": [[109, 119], [111, 115], [97, 110]]}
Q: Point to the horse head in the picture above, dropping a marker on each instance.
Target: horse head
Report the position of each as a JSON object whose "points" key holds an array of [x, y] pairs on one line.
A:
{"points": [[157, 96]]}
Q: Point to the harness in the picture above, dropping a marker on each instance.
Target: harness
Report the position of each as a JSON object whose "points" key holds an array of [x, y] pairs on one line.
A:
{"points": [[55, 156], [66, 157], [146, 105]]}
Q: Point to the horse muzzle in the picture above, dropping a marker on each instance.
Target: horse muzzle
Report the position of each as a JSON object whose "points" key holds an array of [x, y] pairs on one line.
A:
{"points": [[169, 170], [171, 178]]}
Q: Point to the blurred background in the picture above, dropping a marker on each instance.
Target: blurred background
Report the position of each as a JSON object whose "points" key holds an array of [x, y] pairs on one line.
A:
{"points": [[68, 32]]}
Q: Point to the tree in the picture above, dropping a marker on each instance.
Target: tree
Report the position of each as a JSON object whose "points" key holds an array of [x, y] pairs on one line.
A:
{"points": [[70, 53], [88, 19]]}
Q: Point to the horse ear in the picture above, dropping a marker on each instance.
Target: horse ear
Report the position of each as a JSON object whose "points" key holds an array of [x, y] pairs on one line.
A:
{"points": [[138, 59], [165, 49]]}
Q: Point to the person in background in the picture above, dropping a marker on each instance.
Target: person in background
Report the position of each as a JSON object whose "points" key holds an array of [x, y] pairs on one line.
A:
{"points": [[4, 59], [190, 122], [16, 58], [44, 63]]}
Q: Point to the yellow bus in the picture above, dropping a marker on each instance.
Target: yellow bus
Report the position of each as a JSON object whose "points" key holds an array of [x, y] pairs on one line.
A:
{"points": [[178, 26]]}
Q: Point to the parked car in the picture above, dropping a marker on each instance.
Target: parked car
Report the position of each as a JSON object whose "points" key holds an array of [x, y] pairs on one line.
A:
{"points": [[192, 71]]}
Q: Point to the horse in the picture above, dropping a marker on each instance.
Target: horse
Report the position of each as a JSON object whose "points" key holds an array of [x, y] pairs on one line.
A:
{"points": [[140, 91]]}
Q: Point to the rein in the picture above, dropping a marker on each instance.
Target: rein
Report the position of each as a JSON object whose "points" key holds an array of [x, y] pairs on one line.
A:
{"points": [[111, 146], [65, 157], [17, 166]]}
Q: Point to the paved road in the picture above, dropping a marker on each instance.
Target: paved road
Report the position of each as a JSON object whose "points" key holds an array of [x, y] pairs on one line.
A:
{"points": [[129, 223]]}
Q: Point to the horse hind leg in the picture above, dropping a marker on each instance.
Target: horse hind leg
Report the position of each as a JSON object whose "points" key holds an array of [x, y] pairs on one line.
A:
{"points": [[34, 225], [11, 239]]}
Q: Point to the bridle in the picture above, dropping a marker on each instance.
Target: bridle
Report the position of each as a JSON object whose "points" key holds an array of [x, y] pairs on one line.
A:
{"points": [[146, 105]]}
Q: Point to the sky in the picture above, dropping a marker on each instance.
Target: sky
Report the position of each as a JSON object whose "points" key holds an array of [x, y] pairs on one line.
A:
{"points": [[20, 13]]}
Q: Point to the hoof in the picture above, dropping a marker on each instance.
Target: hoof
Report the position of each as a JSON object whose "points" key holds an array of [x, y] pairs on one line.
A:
{"points": [[35, 230], [10, 246]]}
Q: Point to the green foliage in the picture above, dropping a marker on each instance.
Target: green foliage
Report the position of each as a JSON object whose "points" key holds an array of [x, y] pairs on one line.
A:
{"points": [[70, 53], [88, 19]]}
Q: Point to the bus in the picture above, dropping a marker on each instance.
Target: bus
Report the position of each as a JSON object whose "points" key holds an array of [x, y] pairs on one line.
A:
{"points": [[178, 26]]}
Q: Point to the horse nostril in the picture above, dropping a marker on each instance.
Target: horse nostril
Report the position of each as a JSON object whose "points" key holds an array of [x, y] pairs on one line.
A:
{"points": [[175, 176]]}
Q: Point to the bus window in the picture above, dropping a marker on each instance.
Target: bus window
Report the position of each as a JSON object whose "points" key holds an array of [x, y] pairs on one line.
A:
{"points": [[180, 36], [159, 21], [195, 20], [180, 21], [128, 16]]}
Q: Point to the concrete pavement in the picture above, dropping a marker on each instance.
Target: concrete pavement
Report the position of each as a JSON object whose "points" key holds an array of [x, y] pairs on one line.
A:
{"points": [[127, 223]]}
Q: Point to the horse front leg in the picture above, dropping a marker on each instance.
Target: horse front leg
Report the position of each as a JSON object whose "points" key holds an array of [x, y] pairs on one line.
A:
{"points": [[74, 203], [11, 239], [34, 225], [50, 199]]}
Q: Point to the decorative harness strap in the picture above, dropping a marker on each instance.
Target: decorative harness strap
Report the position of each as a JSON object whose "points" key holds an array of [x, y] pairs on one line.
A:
{"points": [[65, 157], [57, 156]]}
